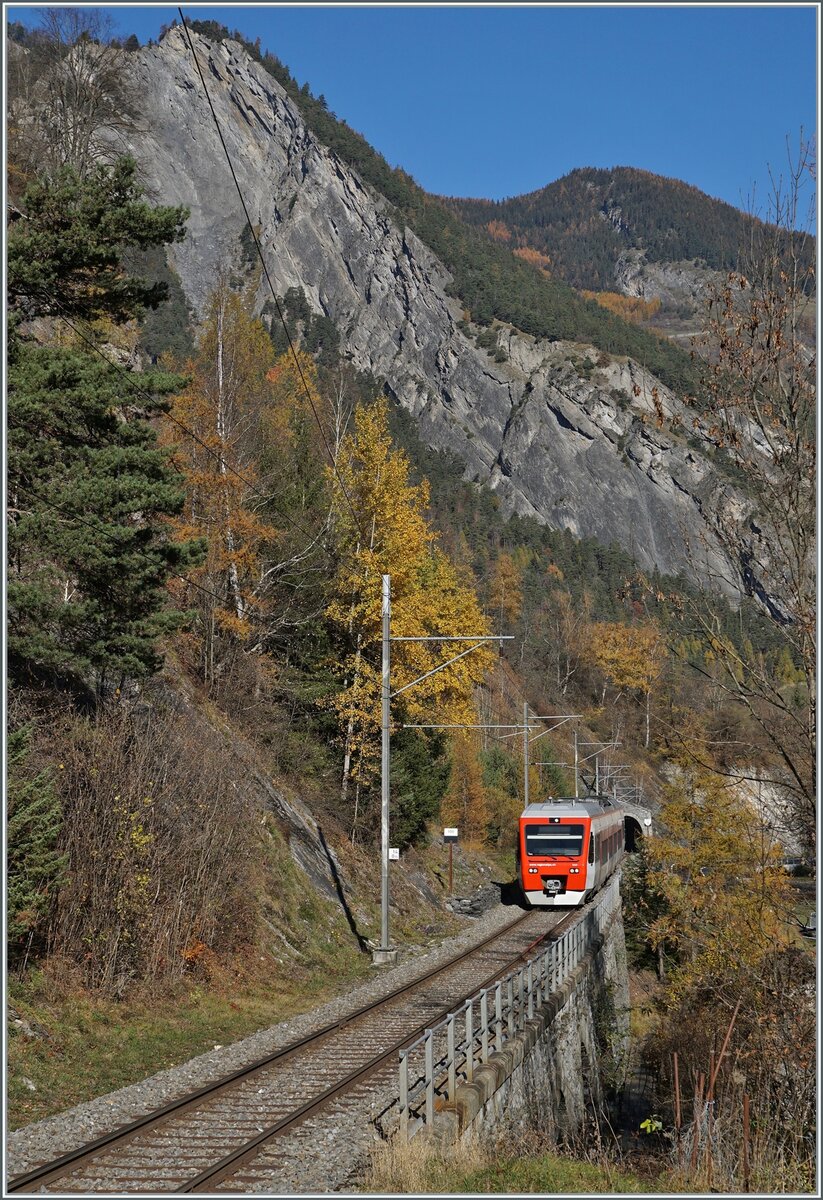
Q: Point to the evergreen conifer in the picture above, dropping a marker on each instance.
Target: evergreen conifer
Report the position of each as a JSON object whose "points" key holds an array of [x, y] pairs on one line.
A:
{"points": [[89, 490]]}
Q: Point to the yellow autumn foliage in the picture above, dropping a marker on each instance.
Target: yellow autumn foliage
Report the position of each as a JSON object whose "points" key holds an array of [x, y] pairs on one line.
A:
{"points": [[466, 803], [208, 430], [630, 656], [506, 590], [382, 528], [719, 870]]}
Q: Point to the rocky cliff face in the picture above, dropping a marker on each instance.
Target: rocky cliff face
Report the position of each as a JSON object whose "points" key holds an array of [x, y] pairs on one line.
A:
{"points": [[677, 285], [558, 432]]}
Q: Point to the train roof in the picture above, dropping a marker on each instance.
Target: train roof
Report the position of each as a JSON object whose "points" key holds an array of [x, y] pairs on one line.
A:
{"points": [[570, 806]]}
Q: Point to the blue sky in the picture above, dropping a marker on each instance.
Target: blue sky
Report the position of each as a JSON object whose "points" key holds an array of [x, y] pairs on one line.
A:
{"points": [[498, 100]]}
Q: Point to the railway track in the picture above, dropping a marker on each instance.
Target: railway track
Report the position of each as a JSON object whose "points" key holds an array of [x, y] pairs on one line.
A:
{"points": [[232, 1135]]}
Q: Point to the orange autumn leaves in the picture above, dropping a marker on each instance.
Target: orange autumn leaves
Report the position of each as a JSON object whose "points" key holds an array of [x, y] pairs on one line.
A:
{"points": [[244, 438], [221, 410], [258, 494]]}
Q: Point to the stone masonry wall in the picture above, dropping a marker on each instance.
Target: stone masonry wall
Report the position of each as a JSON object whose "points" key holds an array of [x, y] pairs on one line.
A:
{"points": [[548, 1077]]}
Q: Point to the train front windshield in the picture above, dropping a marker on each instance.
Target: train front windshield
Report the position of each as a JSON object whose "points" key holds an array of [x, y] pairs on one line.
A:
{"points": [[546, 841]]}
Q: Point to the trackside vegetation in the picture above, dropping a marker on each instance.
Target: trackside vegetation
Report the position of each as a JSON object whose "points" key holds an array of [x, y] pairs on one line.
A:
{"points": [[198, 522]]}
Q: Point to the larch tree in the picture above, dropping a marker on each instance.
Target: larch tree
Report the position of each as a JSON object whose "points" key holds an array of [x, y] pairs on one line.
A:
{"points": [[505, 590], [717, 865], [214, 425], [560, 630], [721, 922], [466, 803], [381, 528], [300, 431], [631, 657]]}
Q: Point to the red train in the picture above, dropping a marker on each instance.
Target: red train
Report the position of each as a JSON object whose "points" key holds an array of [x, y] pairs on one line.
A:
{"points": [[567, 849]]}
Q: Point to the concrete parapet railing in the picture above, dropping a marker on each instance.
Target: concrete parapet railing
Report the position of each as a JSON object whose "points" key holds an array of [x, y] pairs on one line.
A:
{"points": [[458, 1064]]}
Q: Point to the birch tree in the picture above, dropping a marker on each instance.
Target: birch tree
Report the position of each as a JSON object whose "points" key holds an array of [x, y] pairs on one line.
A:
{"points": [[212, 425], [71, 101]]}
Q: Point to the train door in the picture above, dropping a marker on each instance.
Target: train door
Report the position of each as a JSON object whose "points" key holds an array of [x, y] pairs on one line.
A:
{"points": [[591, 860]]}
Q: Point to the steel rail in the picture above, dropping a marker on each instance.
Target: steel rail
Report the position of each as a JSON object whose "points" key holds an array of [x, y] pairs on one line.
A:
{"points": [[246, 1153], [66, 1163]]}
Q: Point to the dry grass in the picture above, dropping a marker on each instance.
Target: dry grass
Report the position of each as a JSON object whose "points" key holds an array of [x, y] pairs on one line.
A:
{"points": [[519, 1164], [418, 1167], [86, 1044]]}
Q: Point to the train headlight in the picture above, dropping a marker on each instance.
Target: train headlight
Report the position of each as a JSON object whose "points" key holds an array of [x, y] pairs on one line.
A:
{"points": [[574, 870], [532, 870]]}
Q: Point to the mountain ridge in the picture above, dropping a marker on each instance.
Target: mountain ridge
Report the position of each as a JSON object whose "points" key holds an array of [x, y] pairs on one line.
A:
{"points": [[553, 426], [624, 228], [633, 209]]}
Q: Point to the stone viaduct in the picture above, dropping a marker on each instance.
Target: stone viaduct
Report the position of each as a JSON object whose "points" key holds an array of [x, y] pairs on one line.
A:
{"points": [[562, 1066]]}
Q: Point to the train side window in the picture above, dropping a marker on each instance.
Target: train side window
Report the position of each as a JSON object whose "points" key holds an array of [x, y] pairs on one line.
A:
{"points": [[591, 846]]}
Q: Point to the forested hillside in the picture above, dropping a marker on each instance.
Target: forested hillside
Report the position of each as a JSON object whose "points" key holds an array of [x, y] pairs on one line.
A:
{"points": [[584, 222], [199, 516]]}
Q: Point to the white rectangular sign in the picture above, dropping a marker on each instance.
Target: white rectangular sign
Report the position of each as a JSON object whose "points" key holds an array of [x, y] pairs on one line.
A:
{"points": [[394, 853], [449, 833]]}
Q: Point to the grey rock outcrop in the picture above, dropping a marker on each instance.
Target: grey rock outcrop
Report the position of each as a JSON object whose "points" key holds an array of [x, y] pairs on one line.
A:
{"points": [[484, 897], [558, 432], [674, 284]]}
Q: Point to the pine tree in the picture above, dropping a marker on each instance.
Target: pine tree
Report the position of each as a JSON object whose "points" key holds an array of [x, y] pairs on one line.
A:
{"points": [[419, 775], [88, 553], [89, 490], [65, 255]]}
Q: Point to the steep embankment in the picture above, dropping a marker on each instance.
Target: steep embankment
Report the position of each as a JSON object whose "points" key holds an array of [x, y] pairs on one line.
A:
{"points": [[560, 433]]}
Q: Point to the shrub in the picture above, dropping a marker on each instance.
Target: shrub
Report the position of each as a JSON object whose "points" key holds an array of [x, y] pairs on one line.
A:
{"points": [[161, 847], [34, 865]]}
